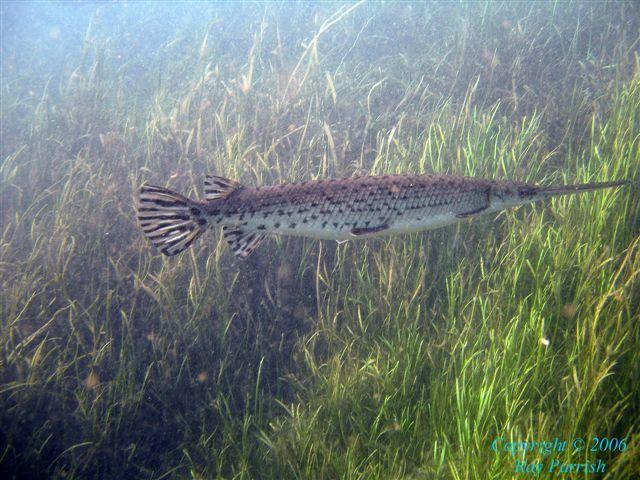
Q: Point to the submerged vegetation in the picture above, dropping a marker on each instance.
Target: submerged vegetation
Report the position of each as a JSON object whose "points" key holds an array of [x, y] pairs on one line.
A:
{"points": [[400, 357]]}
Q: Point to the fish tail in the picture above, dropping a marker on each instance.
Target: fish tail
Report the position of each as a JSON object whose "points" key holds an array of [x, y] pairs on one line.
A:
{"points": [[544, 192], [169, 220]]}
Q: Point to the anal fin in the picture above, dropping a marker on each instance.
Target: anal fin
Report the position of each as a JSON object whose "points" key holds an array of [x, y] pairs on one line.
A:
{"points": [[242, 242]]}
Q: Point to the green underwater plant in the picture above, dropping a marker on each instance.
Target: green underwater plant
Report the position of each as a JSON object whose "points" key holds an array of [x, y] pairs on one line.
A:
{"points": [[396, 357]]}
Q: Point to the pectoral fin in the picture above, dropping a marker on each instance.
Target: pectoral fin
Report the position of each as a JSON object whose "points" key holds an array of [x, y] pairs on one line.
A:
{"points": [[242, 242], [473, 212], [357, 231]]}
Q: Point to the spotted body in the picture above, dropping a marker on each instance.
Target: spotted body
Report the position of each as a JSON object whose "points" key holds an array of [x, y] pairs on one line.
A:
{"points": [[337, 209]]}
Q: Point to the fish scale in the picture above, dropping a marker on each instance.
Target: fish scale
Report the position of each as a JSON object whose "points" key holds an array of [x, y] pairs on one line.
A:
{"points": [[337, 209]]}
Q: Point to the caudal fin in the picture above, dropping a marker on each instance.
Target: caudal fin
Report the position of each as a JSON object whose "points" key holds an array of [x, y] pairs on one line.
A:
{"points": [[583, 187], [169, 220]]}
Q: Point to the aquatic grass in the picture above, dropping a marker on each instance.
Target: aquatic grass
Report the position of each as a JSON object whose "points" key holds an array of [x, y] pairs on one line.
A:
{"points": [[385, 358], [544, 251]]}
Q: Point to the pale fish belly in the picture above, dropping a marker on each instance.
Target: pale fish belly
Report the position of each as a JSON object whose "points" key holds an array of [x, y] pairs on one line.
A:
{"points": [[342, 232]]}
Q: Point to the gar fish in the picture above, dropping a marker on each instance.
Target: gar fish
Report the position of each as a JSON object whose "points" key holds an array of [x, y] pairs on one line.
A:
{"points": [[338, 209]]}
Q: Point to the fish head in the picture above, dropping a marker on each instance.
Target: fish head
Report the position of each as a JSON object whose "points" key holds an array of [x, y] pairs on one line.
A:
{"points": [[505, 195]]}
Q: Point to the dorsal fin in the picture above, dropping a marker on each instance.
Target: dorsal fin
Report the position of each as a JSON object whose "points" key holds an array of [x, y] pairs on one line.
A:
{"points": [[216, 187], [242, 242]]}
